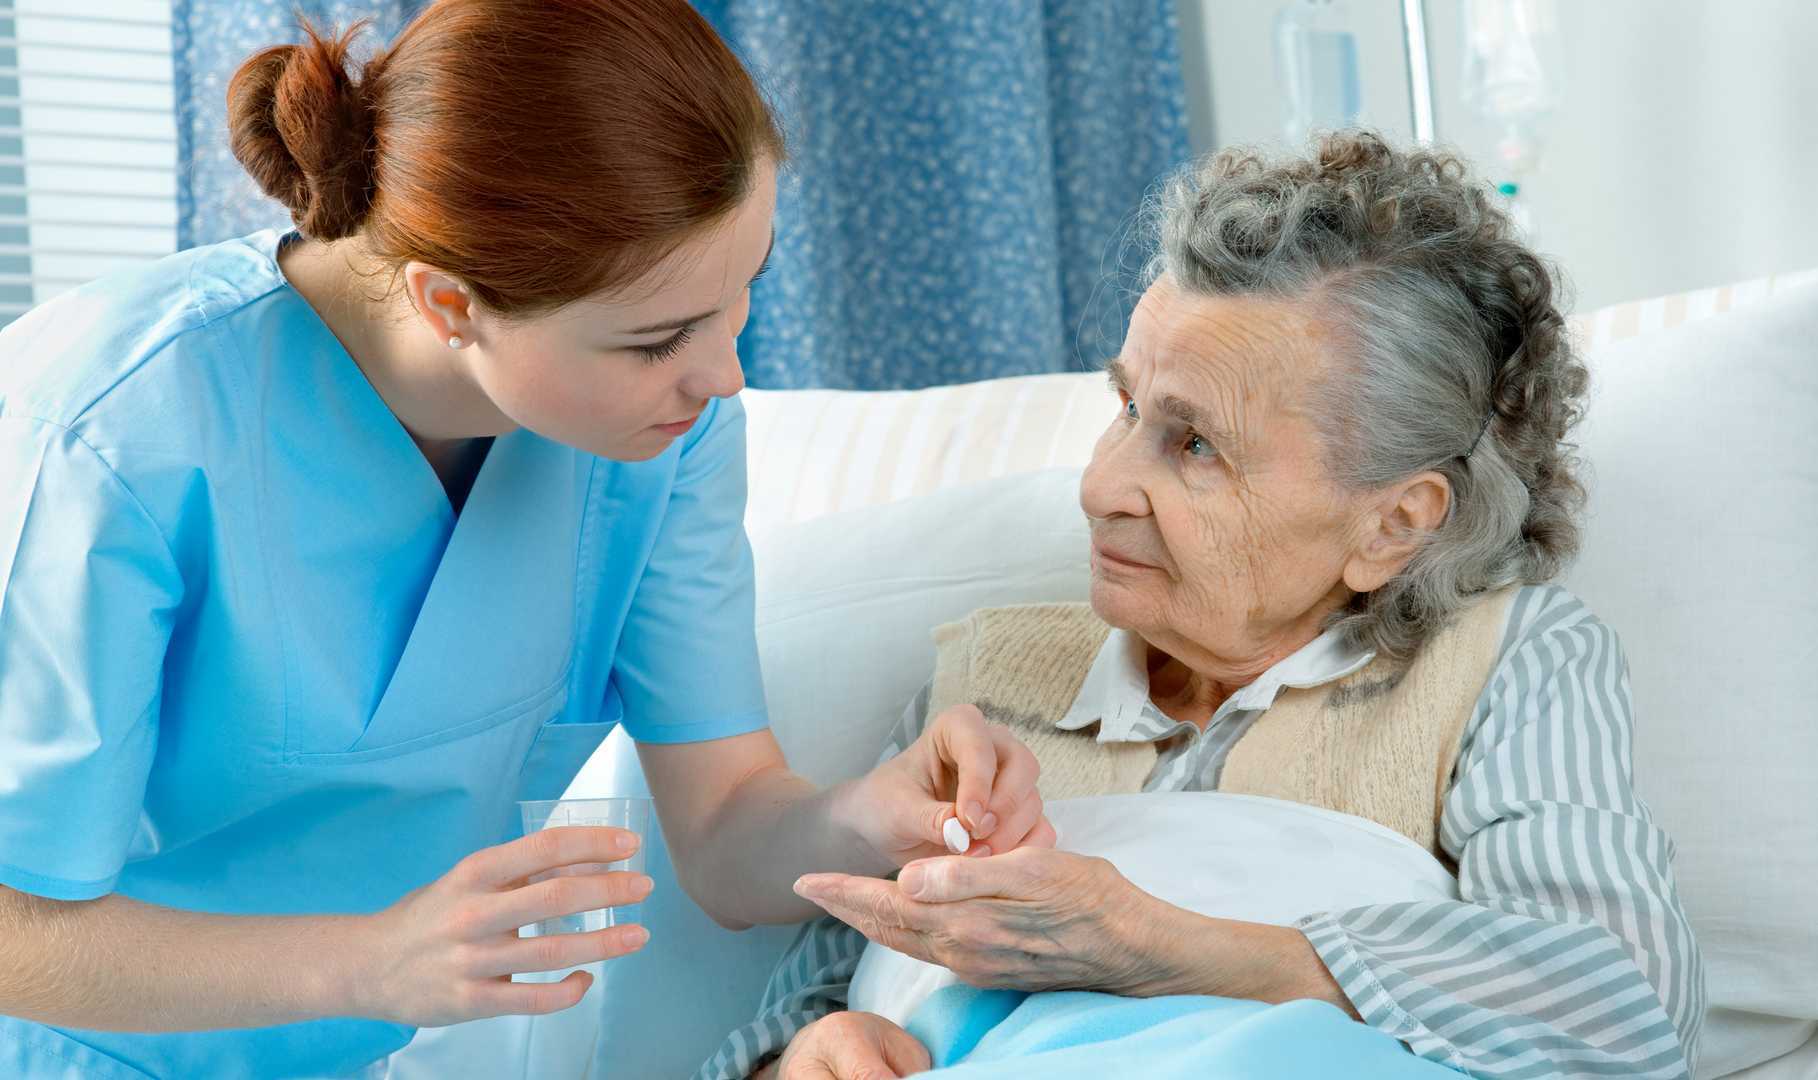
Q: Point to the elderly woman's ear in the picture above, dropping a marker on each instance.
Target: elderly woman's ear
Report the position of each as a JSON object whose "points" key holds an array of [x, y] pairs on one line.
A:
{"points": [[1392, 526]]}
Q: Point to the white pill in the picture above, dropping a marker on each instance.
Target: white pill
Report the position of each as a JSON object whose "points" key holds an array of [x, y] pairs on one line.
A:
{"points": [[956, 836]]}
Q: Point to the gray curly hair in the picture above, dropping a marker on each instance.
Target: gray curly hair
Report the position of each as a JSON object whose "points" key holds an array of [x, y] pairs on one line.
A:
{"points": [[1454, 355]]}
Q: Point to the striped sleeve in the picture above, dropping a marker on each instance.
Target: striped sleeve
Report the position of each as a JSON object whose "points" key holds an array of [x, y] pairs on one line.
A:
{"points": [[1568, 953], [812, 977], [809, 981]]}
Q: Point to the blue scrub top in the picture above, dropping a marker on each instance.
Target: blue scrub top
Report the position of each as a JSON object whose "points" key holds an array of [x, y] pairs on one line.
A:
{"points": [[250, 659]]}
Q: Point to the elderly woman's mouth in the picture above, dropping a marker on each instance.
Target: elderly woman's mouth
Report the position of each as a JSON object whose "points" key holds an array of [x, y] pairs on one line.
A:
{"points": [[1116, 559]]}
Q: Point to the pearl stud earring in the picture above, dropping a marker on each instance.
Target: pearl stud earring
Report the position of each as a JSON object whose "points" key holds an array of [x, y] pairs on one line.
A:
{"points": [[454, 341]]}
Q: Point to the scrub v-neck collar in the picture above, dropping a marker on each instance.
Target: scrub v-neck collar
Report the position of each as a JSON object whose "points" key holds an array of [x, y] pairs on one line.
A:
{"points": [[406, 466], [495, 631]]}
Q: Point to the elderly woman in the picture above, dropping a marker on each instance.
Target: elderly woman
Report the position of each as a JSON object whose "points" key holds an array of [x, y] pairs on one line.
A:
{"points": [[1323, 529]]}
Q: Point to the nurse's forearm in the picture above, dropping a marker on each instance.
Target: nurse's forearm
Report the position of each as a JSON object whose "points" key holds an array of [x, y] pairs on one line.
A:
{"points": [[115, 964], [740, 828]]}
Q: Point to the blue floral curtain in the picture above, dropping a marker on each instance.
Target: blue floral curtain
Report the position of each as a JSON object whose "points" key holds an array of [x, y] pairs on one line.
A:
{"points": [[216, 200], [962, 173]]}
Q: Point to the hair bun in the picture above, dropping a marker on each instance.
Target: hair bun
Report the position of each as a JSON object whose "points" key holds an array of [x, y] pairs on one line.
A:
{"points": [[302, 127]]}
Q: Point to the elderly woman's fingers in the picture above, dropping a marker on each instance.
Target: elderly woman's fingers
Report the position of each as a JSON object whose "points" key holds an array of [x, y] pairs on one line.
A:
{"points": [[871, 898], [874, 908], [1021, 875], [852, 1046], [903, 1053]]}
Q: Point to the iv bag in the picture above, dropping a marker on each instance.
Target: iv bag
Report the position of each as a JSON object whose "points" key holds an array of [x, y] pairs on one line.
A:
{"points": [[1514, 71], [1316, 78]]}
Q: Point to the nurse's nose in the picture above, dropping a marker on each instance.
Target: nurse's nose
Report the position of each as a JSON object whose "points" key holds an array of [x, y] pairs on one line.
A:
{"points": [[719, 373]]}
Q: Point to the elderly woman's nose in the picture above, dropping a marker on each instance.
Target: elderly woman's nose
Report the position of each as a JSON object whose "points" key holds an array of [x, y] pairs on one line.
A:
{"points": [[1112, 482]]}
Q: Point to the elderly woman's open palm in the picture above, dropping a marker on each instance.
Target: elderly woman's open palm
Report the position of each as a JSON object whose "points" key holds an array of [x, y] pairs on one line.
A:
{"points": [[1038, 919]]}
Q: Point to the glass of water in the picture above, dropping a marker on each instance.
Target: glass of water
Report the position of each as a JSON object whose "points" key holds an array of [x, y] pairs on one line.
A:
{"points": [[632, 815]]}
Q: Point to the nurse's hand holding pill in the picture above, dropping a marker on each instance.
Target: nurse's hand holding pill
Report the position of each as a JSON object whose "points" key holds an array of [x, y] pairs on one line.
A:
{"points": [[321, 550]]}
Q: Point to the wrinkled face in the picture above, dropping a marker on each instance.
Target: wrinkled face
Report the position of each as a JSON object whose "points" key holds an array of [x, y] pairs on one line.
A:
{"points": [[623, 376], [1216, 533]]}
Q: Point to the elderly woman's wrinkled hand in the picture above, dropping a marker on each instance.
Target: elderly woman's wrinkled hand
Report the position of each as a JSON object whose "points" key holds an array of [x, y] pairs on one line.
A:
{"points": [[1034, 919], [1039, 919], [849, 1046]]}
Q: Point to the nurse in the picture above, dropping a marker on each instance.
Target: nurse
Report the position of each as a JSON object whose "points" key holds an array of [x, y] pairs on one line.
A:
{"points": [[318, 551]]}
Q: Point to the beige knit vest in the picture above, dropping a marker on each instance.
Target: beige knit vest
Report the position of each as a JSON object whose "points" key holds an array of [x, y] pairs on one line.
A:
{"points": [[1379, 743]]}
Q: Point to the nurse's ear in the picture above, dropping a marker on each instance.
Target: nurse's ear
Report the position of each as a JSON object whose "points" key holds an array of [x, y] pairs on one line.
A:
{"points": [[444, 302]]}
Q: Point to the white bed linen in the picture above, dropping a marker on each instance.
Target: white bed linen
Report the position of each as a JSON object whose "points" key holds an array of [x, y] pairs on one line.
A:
{"points": [[1226, 856]]}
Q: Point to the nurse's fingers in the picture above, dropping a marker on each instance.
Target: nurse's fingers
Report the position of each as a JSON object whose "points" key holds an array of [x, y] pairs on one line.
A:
{"points": [[553, 952], [507, 865], [962, 741], [540, 999], [1015, 802], [569, 895], [1044, 835], [1022, 827]]}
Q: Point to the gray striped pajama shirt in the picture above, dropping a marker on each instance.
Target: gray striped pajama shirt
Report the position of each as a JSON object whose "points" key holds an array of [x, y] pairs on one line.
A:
{"points": [[1567, 954]]}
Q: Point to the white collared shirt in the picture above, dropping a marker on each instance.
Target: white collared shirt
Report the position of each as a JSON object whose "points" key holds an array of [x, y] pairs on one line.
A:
{"points": [[1115, 695]]}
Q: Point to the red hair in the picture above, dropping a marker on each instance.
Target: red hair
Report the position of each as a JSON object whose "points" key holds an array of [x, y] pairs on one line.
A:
{"points": [[541, 150]]}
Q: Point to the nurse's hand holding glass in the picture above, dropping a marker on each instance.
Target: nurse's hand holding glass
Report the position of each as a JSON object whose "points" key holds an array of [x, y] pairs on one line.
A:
{"points": [[321, 550]]}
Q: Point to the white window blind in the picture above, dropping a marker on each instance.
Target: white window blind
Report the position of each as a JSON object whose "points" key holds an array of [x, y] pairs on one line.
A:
{"points": [[88, 144]]}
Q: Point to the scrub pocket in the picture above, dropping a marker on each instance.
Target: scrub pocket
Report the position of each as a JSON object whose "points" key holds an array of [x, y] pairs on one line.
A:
{"points": [[561, 749], [557, 756]]}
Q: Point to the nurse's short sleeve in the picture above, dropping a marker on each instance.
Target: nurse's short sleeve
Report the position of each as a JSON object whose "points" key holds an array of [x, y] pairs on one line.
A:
{"points": [[88, 591], [687, 665]]}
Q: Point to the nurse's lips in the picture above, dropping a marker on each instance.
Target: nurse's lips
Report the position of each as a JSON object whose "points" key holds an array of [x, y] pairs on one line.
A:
{"points": [[677, 429]]}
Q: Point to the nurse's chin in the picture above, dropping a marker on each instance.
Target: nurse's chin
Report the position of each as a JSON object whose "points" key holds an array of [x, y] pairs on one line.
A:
{"points": [[643, 446]]}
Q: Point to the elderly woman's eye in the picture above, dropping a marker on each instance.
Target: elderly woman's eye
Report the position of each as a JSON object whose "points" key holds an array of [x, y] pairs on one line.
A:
{"points": [[1130, 408], [1199, 447]]}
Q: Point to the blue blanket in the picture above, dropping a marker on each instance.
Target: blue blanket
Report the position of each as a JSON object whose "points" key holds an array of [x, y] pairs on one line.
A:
{"points": [[1004, 1035]]}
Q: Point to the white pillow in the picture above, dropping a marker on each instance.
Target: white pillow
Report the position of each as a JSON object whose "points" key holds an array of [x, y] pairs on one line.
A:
{"points": [[846, 602], [1701, 550]]}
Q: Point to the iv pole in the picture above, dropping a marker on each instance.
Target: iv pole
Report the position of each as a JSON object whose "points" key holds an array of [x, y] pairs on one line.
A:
{"points": [[1420, 76]]}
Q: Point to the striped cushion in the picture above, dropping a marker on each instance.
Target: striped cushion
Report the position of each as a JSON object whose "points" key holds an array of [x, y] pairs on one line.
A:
{"points": [[814, 452], [1612, 324]]}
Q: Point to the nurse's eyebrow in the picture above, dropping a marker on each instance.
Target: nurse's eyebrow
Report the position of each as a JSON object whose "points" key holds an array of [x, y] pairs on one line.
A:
{"points": [[677, 324]]}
